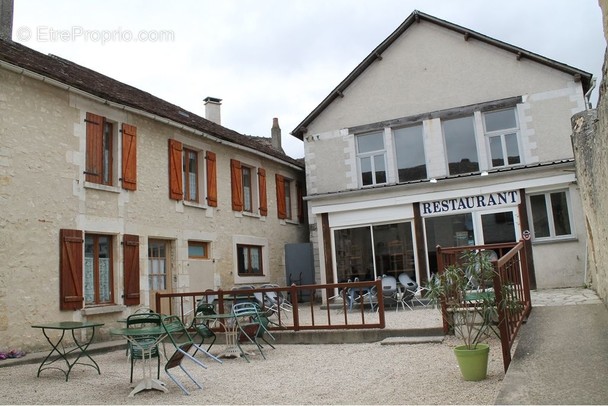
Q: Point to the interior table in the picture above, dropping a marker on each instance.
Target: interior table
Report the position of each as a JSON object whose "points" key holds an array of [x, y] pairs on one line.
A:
{"points": [[132, 334], [61, 353]]}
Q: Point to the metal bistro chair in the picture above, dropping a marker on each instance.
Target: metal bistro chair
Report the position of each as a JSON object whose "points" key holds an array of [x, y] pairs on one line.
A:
{"points": [[201, 326], [144, 343], [182, 342], [247, 319]]}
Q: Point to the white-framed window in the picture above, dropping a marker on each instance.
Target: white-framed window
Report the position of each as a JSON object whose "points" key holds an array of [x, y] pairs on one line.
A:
{"points": [[551, 216], [409, 150], [371, 156], [460, 145], [502, 133]]}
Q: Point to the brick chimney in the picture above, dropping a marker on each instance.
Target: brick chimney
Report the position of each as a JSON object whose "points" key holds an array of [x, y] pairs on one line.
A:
{"points": [[275, 133], [213, 109], [6, 20]]}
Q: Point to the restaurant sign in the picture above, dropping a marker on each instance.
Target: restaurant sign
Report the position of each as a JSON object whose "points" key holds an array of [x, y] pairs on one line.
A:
{"points": [[476, 202]]}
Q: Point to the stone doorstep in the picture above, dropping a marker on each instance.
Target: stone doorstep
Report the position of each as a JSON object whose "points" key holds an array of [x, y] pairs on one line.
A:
{"points": [[412, 340]]}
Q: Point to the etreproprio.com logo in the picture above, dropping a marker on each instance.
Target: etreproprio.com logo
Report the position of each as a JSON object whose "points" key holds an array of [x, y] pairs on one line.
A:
{"points": [[78, 33]]}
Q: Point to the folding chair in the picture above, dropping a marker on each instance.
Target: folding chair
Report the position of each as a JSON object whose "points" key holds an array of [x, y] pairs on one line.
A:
{"points": [[182, 341], [248, 322], [201, 325], [135, 352]]}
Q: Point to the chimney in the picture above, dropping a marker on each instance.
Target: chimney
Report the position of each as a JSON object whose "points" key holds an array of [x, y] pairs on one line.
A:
{"points": [[6, 20], [275, 133], [213, 109]]}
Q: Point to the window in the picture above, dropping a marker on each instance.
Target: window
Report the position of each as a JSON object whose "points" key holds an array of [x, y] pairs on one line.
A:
{"points": [[249, 260], [186, 177], [460, 145], [501, 132], [371, 157], [190, 163], [101, 150], [243, 184], [284, 197], [198, 249], [409, 146], [550, 214], [98, 278]]}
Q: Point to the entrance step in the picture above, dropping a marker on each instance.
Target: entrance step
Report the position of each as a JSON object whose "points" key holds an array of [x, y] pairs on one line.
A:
{"points": [[412, 340]]}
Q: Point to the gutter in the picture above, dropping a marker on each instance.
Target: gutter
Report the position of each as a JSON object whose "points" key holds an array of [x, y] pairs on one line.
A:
{"points": [[160, 119]]}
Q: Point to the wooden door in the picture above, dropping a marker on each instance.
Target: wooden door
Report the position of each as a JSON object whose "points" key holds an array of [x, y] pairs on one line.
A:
{"points": [[159, 269]]}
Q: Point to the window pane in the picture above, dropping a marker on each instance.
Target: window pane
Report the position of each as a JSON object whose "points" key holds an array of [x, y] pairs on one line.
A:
{"points": [[370, 142], [379, 169], [512, 149], [394, 249], [366, 171], [539, 216], [354, 254], [197, 250], [409, 145], [447, 231], [500, 120], [460, 144], [496, 151], [498, 227], [287, 186], [246, 189], [256, 265], [559, 205], [107, 153]]}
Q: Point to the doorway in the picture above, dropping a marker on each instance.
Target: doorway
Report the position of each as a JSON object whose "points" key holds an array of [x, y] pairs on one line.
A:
{"points": [[159, 269]]}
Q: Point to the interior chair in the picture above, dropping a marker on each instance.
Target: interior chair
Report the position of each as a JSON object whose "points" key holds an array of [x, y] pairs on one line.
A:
{"points": [[389, 290], [249, 324], [183, 343], [411, 289], [145, 344], [200, 325]]}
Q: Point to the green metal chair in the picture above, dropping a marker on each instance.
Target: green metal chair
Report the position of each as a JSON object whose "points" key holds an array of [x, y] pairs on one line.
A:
{"points": [[144, 343], [249, 324], [201, 326], [182, 341]]}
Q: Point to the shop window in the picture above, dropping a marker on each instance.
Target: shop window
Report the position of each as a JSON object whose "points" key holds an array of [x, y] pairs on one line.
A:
{"points": [[501, 131], [249, 260], [371, 156], [409, 148], [459, 135], [550, 215], [198, 249], [191, 174], [98, 275], [447, 231]]}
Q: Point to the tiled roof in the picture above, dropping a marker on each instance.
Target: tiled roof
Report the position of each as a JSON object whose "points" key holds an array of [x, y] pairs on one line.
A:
{"points": [[94, 83]]}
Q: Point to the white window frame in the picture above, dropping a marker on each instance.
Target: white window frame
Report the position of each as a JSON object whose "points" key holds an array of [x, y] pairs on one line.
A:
{"points": [[371, 155], [552, 235], [502, 134], [201, 177]]}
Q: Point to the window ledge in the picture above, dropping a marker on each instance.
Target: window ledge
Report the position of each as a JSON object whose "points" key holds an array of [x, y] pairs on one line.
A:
{"points": [[195, 205], [105, 188], [89, 311], [249, 214], [554, 240]]}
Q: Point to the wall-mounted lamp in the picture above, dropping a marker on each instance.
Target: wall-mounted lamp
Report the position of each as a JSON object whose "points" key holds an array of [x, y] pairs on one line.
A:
{"points": [[433, 180], [484, 173]]}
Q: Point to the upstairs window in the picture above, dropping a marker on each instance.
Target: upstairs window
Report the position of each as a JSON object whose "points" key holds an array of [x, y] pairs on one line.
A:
{"points": [[550, 215], [459, 135], [409, 147], [372, 158], [501, 131], [190, 163], [187, 179], [248, 190], [286, 196], [247, 195]]}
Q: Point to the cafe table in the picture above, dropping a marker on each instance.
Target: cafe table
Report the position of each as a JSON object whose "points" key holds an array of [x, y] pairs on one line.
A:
{"points": [[231, 333], [61, 352], [157, 333]]}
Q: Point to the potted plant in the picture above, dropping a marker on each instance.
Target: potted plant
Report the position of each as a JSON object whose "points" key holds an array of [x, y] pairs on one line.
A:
{"points": [[465, 291]]}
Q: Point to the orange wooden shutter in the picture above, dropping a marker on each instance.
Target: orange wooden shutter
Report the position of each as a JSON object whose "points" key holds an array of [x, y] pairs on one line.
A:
{"points": [[94, 164], [300, 198], [262, 187], [129, 157], [70, 269], [211, 179], [237, 185], [281, 209], [176, 192], [130, 245]]}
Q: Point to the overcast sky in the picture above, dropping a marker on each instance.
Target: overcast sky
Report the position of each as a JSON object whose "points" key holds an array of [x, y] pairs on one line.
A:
{"points": [[278, 58]]}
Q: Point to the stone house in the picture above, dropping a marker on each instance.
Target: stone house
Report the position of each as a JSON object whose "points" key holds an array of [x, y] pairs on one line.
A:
{"points": [[109, 194], [445, 136]]}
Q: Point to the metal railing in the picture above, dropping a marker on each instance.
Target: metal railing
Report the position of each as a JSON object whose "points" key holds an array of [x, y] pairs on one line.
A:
{"points": [[326, 306], [511, 288]]}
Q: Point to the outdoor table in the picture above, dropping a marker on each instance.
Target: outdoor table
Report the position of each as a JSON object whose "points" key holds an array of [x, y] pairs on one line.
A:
{"points": [[62, 354], [231, 332], [131, 334]]}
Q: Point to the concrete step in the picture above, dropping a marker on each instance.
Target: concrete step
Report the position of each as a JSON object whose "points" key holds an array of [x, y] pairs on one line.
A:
{"points": [[412, 340]]}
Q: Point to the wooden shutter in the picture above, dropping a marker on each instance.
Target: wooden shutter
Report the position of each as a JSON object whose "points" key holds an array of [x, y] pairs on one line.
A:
{"points": [[70, 269], [129, 157], [300, 202], [211, 179], [281, 209], [130, 245], [94, 164], [237, 185], [176, 192], [262, 187]]}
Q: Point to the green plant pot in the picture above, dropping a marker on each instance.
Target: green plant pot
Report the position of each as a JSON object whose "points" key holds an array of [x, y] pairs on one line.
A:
{"points": [[473, 363]]}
